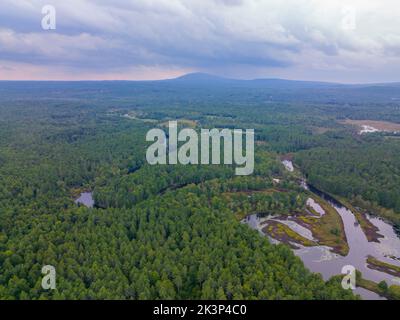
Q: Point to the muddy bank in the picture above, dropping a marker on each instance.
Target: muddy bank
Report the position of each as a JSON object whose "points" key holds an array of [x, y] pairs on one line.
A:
{"points": [[285, 234], [381, 266]]}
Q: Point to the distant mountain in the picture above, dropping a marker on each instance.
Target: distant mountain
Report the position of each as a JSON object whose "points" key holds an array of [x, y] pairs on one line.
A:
{"points": [[283, 83], [209, 88], [275, 83], [201, 77], [205, 78], [285, 90]]}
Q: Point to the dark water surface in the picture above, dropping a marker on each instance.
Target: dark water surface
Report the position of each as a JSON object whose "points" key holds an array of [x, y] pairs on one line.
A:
{"points": [[322, 260]]}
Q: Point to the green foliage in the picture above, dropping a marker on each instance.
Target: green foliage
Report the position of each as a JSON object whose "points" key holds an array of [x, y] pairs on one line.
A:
{"points": [[164, 232], [369, 168], [394, 292], [170, 232], [383, 286]]}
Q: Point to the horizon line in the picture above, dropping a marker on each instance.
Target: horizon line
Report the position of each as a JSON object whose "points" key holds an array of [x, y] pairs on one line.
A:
{"points": [[200, 73]]}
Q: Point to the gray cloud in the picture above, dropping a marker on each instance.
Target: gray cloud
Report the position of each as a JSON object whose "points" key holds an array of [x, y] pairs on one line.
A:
{"points": [[241, 38]]}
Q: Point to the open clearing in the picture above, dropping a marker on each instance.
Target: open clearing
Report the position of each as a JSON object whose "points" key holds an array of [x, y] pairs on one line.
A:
{"points": [[379, 125]]}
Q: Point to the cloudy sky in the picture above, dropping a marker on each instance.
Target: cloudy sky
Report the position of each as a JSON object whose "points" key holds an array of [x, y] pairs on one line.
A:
{"points": [[330, 40]]}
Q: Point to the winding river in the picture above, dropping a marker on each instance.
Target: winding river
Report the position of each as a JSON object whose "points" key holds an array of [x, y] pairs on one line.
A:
{"points": [[322, 260]]}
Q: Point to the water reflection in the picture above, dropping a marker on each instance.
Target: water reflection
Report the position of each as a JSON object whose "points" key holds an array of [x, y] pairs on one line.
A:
{"points": [[321, 259]]}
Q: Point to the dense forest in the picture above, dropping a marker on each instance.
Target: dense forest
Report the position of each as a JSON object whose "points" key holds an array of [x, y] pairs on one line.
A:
{"points": [[366, 171], [171, 232]]}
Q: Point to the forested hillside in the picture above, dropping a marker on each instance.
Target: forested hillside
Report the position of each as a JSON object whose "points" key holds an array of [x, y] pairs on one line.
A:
{"points": [[170, 232], [156, 232]]}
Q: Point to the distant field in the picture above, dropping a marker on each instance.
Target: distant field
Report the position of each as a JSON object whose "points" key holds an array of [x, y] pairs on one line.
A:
{"points": [[184, 122], [380, 125]]}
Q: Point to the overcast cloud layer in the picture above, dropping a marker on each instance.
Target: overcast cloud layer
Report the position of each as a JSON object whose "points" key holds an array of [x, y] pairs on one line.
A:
{"points": [[345, 41]]}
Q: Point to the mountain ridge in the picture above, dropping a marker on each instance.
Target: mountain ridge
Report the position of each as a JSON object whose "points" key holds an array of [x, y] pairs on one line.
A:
{"points": [[201, 77]]}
